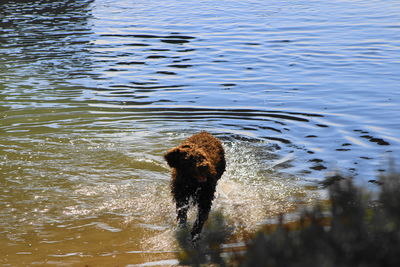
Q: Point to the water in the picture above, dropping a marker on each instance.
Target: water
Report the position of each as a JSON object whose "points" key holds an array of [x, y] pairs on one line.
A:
{"points": [[93, 92]]}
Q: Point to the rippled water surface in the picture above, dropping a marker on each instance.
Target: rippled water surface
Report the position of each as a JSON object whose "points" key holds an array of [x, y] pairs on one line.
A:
{"points": [[93, 92]]}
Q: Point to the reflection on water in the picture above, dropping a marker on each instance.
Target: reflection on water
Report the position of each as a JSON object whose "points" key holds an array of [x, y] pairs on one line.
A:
{"points": [[92, 93]]}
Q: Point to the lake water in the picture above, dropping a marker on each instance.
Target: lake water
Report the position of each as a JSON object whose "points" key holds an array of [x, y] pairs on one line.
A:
{"points": [[93, 92]]}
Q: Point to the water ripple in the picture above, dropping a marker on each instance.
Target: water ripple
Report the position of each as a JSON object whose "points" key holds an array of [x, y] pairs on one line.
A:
{"points": [[93, 92]]}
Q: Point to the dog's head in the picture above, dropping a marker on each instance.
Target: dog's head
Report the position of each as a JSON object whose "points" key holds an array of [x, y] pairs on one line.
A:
{"points": [[191, 160]]}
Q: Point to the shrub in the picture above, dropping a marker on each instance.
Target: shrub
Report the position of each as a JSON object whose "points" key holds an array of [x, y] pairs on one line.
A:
{"points": [[358, 230]]}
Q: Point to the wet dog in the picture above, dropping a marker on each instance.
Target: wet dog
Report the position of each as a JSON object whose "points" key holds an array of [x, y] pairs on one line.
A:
{"points": [[197, 165]]}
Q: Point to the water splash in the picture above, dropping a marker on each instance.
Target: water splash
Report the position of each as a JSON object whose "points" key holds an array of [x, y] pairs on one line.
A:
{"points": [[247, 194]]}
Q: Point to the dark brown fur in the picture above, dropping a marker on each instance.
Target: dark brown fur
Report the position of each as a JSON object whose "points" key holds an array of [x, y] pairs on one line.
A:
{"points": [[196, 164]]}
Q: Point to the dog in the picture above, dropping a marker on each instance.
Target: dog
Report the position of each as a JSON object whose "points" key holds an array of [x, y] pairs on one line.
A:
{"points": [[197, 165]]}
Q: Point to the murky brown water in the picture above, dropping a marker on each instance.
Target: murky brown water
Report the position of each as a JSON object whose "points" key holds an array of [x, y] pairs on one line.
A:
{"points": [[93, 92]]}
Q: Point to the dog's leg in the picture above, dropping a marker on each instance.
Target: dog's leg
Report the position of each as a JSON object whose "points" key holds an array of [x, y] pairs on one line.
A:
{"points": [[204, 207], [181, 211]]}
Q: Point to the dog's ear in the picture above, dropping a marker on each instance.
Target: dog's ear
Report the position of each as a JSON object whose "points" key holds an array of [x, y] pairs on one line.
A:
{"points": [[174, 156]]}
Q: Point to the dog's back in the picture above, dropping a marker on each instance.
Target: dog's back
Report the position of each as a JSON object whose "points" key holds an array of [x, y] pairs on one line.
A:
{"points": [[212, 147]]}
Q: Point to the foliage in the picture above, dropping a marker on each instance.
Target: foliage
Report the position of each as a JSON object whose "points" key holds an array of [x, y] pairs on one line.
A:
{"points": [[357, 230]]}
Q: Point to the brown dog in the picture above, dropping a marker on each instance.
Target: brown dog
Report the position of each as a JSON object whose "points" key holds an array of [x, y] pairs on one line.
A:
{"points": [[196, 164]]}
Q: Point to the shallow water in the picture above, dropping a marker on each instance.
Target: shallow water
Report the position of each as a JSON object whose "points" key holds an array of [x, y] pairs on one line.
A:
{"points": [[93, 92]]}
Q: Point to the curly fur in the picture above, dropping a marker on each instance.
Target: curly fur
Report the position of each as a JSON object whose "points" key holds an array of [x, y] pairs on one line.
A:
{"points": [[197, 164]]}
